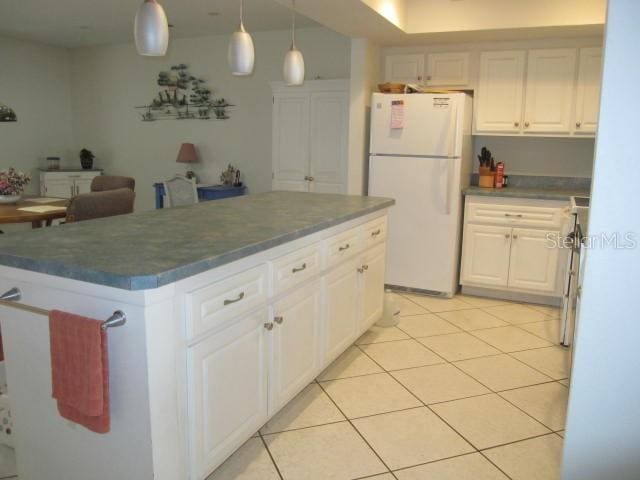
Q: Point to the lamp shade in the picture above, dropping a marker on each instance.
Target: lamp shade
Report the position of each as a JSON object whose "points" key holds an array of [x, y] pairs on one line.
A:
{"points": [[187, 154], [241, 54], [151, 29], [293, 70]]}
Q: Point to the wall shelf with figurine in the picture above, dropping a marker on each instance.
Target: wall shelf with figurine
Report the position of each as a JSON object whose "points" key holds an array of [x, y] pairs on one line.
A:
{"points": [[183, 97]]}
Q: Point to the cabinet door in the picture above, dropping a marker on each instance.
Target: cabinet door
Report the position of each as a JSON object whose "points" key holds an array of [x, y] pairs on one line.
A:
{"points": [[372, 286], [448, 69], [550, 90], [588, 95], [59, 188], [227, 383], [485, 255], [404, 68], [341, 314], [534, 260], [83, 185], [500, 90], [328, 141], [295, 353], [290, 142]]}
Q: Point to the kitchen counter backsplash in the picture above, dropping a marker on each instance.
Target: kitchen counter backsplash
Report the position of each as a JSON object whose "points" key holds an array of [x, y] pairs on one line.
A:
{"points": [[539, 181]]}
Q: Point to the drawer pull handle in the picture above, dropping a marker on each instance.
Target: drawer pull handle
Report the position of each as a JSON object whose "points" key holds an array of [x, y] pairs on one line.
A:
{"points": [[268, 326], [510, 215], [376, 233], [299, 269], [346, 247], [360, 270], [278, 320], [240, 297], [365, 267]]}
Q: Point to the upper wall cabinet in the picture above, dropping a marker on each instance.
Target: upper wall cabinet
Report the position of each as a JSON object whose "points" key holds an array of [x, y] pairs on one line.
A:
{"points": [[404, 68], [448, 69], [499, 96], [550, 90], [588, 95]]}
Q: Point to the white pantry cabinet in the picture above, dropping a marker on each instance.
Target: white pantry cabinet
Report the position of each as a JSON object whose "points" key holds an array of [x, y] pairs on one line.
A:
{"points": [[500, 91], [310, 143], [448, 69], [550, 90], [588, 94], [404, 68], [512, 245], [66, 183]]}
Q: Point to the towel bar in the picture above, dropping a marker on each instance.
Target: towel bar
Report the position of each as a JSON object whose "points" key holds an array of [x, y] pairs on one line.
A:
{"points": [[116, 320]]}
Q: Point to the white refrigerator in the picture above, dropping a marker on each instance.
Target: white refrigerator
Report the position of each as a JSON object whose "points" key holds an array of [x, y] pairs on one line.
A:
{"points": [[421, 155]]}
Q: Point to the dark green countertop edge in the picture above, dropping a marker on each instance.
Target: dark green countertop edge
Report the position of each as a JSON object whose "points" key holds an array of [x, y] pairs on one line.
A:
{"points": [[522, 192], [189, 269]]}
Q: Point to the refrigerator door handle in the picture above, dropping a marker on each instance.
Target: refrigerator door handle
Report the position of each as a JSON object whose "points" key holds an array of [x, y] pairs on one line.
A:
{"points": [[453, 122]]}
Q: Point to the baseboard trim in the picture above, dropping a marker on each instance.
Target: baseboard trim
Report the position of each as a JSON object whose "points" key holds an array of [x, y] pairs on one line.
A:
{"points": [[512, 296]]}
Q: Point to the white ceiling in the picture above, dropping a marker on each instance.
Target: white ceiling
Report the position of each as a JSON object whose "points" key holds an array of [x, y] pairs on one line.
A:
{"points": [[77, 23]]}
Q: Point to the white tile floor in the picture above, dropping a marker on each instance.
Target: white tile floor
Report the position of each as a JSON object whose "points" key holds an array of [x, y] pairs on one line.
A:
{"points": [[463, 389]]}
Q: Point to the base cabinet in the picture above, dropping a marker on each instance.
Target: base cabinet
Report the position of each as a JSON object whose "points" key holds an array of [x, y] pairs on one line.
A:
{"points": [[66, 184], [236, 358], [341, 324], [500, 252], [295, 344], [373, 270]]}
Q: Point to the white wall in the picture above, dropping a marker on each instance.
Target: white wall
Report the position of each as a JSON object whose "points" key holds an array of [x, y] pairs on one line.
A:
{"points": [[34, 81], [522, 155], [365, 65], [107, 82], [603, 429]]}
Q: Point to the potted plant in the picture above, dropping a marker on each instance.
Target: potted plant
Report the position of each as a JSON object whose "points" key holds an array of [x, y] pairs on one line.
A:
{"points": [[86, 159], [12, 185]]}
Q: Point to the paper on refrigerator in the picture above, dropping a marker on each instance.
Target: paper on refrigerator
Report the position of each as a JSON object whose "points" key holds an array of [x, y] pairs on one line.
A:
{"points": [[397, 114]]}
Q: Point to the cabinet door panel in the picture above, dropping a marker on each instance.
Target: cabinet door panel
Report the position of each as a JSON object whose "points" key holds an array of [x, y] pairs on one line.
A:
{"points": [[290, 140], [448, 69], [328, 142], [341, 315], [295, 355], [404, 68], [550, 89], [83, 185], [500, 90], [227, 391], [59, 188], [373, 265], [534, 260], [485, 257], [588, 95]]}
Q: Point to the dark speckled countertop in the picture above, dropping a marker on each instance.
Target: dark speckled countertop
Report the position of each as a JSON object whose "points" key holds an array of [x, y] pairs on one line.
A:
{"points": [[147, 250]]}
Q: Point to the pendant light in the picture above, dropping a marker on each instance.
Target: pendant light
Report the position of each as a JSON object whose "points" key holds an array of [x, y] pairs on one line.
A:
{"points": [[241, 55], [151, 29], [293, 69]]}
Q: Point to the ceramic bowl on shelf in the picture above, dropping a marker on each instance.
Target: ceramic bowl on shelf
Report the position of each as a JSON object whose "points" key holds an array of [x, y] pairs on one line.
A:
{"points": [[8, 199]]}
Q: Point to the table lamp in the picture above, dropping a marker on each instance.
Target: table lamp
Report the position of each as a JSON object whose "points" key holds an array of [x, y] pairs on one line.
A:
{"points": [[188, 154]]}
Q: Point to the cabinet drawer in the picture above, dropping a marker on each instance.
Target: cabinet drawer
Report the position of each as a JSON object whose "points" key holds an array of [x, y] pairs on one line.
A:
{"points": [[342, 246], [294, 268], [516, 215], [374, 232], [209, 307]]}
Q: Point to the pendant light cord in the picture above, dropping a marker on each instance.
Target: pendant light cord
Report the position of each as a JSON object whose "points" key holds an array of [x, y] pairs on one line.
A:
{"points": [[293, 23], [242, 13]]}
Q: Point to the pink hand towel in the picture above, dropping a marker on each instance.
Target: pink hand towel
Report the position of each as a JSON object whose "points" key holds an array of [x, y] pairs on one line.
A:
{"points": [[80, 370]]}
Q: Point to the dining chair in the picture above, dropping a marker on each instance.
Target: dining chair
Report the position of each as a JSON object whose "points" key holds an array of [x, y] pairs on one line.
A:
{"points": [[102, 183], [88, 206], [181, 191]]}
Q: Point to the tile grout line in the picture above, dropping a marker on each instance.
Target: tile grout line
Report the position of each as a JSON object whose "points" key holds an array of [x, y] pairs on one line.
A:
{"points": [[273, 460], [359, 434]]}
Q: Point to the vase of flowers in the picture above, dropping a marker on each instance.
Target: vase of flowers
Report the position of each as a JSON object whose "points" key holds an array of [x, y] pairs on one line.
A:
{"points": [[12, 183]]}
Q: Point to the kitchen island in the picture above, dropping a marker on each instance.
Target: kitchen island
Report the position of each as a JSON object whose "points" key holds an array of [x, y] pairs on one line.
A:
{"points": [[232, 308]]}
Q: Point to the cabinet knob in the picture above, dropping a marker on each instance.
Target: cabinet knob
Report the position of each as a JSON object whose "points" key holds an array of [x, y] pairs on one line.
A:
{"points": [[526, 124], [515, 237], [309, 178], [268, 326], [428, 77], [360, 270], [278, 320], [578, 124], [506, 235], [365, 267], [516, 124]]}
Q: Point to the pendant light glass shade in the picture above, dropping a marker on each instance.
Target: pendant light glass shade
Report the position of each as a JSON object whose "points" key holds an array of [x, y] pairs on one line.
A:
{"points": [[151, 29], [241, 54], [293, 69]]}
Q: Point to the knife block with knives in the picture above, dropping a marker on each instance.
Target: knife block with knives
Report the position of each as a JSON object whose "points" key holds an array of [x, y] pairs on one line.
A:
{"points": [[487, 169]]}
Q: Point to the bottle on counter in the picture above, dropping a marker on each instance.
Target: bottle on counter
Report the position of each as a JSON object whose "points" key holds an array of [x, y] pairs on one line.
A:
{"points": [[500, 175]]}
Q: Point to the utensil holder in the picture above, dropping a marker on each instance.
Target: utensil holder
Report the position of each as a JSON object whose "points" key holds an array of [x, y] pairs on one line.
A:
{"points": [[486, 181]]}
